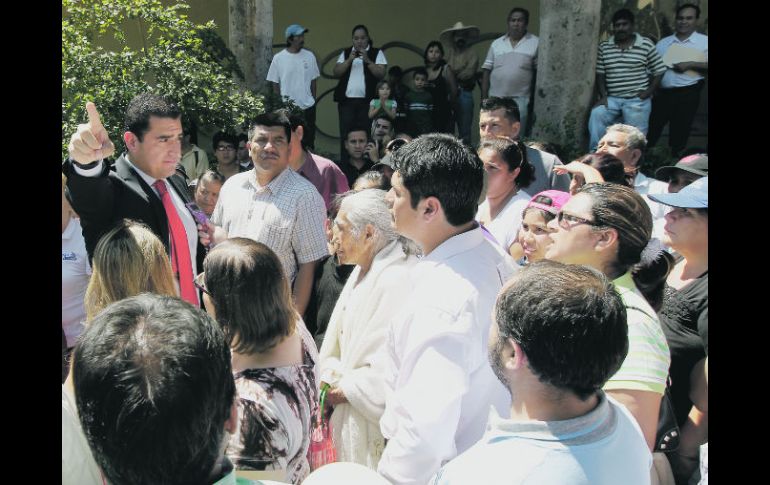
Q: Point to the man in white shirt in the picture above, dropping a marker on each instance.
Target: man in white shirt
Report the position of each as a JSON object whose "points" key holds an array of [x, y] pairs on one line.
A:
{"points": [[440, 383], [509, 69], [293, 73], [677, 99], [628, 144], [560, 332]]}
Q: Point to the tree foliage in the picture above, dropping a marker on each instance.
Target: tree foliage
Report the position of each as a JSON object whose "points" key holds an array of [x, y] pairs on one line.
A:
{"points": [[187, 62]]}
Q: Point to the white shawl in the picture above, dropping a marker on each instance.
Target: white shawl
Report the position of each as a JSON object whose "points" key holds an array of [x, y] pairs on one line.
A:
{"points": [[356, 332]]}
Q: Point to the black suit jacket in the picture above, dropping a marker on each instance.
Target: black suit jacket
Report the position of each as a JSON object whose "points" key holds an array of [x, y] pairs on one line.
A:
{"points": [[117, 193]]}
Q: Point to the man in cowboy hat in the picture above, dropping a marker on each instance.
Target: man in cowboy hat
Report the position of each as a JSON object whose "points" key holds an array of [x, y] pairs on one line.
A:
{"points": [[465, 63]]}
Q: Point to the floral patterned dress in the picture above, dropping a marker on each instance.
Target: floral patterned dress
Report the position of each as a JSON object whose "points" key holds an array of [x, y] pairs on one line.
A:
{"points": [[276, 411]]}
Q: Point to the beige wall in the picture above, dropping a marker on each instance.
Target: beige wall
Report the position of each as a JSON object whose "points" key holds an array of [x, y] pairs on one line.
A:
{"points": [[413, 22]]}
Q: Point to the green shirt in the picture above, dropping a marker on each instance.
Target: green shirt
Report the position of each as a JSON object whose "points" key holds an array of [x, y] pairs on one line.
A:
{"points": [[646, 365]]}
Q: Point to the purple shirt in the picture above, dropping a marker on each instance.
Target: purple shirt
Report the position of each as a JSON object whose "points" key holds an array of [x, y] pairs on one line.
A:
{"points": [[325, 175]]}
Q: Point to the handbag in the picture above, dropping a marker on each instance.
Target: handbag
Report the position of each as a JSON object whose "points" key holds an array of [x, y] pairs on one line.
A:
{"points": [[322, 451], [667, 437]]}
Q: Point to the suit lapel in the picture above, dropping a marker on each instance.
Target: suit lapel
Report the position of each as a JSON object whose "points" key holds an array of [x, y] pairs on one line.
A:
{"points": [[135, 182]]}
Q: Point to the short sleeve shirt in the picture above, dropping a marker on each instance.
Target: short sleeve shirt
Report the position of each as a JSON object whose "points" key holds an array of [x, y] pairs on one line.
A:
{"points": [[511, 67], [287, 215], [356, 84], [646, 365], [627, 71], [295, 72]]}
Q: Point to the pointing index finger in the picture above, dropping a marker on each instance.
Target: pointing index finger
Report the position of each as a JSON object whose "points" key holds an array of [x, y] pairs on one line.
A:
{"points": [[93, 116]]}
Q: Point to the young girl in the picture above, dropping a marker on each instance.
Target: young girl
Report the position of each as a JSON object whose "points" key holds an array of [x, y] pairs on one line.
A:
{"points": [[534, 233], [384, 104]]}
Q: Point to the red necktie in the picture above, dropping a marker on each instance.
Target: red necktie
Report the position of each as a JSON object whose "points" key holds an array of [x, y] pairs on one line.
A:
{"points": [[180, 249]]}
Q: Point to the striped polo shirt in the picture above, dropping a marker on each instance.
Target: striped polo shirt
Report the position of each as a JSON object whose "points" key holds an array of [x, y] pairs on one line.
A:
{"points": [[646, 365], [627, 71]]}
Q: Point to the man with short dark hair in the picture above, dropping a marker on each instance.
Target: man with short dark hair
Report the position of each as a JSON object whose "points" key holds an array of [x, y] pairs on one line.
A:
{"points": [[559, 334], [155, 393], [511, 63], [628, 70], [501, 117], [142, 185], [676, 102], [274, 205], [359, 160], [293, 73], [324, 174], [440, 383], [225, 146]]}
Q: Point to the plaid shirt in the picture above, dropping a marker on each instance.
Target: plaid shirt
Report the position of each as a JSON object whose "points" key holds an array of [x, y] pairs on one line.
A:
{"points": [[287, 215]]}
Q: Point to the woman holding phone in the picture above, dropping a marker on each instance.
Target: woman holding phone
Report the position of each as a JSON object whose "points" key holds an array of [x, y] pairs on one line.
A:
{"points": [[359, 68]]}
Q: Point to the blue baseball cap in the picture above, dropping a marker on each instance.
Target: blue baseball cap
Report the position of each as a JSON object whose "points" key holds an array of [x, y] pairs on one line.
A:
{"points": [[694, 196], [295, 29]]}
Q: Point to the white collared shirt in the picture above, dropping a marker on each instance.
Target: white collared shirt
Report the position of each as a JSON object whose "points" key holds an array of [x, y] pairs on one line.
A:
{"points": [[644, 186], [671, 78], [190, 226], [435, 365], [287, 215]]}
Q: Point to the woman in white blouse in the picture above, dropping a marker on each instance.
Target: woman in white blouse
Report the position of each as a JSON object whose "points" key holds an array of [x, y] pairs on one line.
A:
{"points": [[364, 236]]}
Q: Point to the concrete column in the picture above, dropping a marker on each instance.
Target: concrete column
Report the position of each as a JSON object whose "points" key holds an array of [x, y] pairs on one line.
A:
{"points": [[569, 33], [251, 38]]}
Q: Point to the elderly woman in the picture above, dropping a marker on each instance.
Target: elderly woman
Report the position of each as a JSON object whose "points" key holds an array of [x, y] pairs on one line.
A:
{"points": [[207, 190], [607, 226], [364, 235]]}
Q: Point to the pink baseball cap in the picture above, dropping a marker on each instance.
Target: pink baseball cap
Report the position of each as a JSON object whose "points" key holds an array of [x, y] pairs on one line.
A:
{"points": [[557, 199]]}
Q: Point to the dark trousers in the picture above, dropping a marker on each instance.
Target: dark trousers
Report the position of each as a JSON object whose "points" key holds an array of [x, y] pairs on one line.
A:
{"points": [[352, 113], [309, 136], [677, 107]]}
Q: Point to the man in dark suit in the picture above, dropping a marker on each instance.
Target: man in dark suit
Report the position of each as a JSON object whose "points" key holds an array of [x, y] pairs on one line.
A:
{"points": [[142, 184]]}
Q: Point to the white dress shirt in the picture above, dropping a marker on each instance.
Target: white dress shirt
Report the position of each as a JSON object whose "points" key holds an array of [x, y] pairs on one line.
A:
{"points": [[435, 361]]}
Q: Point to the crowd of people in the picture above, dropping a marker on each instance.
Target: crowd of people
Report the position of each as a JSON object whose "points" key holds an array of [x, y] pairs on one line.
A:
{"points": [[453, 314]]}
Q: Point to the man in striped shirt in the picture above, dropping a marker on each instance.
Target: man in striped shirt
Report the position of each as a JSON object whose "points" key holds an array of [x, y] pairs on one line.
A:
{"points": [[628, 70]]}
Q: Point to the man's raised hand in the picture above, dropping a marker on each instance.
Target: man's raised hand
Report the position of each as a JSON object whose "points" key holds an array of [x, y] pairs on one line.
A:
{"points": [[90, 142]]}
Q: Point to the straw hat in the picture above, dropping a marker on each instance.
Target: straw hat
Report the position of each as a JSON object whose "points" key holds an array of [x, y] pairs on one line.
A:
{"points": [[471, 32]]}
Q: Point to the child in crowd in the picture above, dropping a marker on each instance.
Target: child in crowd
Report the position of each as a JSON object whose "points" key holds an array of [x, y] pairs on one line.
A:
{"points": [[419, 102], [398, 92], [384, 105]]}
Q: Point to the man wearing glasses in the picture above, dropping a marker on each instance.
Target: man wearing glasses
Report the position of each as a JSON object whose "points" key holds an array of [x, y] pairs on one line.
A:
{"points": [[225, 146]]}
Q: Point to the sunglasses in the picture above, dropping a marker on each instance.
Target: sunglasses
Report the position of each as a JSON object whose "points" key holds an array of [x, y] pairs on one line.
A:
{"points": [[568, 220]]}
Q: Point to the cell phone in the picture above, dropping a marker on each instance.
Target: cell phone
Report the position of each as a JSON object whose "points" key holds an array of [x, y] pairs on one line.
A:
{"points": [[198, 214]]}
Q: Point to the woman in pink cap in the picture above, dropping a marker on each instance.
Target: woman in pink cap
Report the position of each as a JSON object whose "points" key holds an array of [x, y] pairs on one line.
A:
{"points": [[533, 236]]}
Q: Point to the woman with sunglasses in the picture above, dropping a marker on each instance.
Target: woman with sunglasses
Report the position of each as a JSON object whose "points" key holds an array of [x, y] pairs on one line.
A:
{"points": [[506, 172], [274, 357], [607, 226], [684, 316]]}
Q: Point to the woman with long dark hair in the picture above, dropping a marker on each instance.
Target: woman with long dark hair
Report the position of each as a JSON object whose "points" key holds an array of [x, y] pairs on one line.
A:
{"points": [[442, 85], [507, 172], [607, 226]]}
